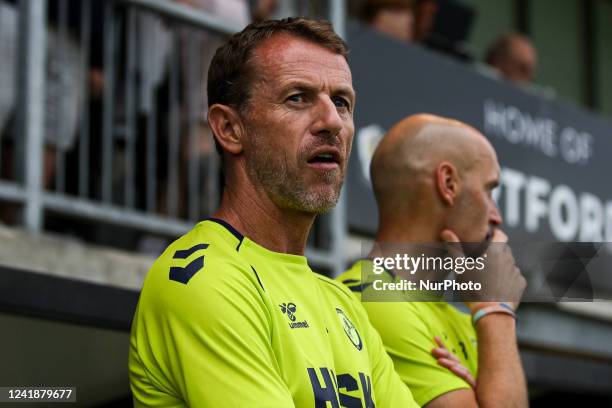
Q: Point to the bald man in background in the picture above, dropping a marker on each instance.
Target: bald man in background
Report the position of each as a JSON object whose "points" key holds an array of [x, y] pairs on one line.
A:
{"points": [[433, 178]]}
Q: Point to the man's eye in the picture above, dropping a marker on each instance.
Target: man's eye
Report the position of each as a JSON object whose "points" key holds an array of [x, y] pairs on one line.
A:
{"points": [[341, 103], [296, 98]]}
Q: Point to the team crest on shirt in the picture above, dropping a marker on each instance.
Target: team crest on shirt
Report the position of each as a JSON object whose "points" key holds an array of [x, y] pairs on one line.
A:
{"points": [[289, 309], [349, 329]]}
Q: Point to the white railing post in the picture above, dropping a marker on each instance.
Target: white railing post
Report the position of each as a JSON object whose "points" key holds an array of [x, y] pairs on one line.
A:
{"points": [[339, 226], [32, 101]]}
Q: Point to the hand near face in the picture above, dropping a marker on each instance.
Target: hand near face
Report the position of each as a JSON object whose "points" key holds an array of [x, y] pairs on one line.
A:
{"points": [[500, 278]]}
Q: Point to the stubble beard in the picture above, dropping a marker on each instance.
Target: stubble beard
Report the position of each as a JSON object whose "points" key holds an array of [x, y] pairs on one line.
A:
{"points": [[286, 187]]}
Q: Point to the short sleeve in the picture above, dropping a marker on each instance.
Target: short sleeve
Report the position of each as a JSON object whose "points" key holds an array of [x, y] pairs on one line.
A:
{"points": [[409, 343]]}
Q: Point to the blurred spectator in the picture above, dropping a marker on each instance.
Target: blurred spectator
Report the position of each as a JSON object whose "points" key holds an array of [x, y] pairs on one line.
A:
{"points": [[190, 50], [8, 68], [391, 17], [197, 47], [424, 18], [262, 9], [514, 57], [443, 26], [63, 92]]}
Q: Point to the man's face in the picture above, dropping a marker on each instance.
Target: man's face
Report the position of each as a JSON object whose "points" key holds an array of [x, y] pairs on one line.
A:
{"points": [[299, 123], [475, 214], [520, 66], [396, 23]]}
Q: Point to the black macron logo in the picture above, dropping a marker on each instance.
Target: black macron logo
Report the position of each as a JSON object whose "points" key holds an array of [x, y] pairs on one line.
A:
{"points": [[183, 275]]}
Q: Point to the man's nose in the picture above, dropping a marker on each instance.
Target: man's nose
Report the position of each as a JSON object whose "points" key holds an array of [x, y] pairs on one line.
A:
{"points": [[328, 121], [495, 217]]}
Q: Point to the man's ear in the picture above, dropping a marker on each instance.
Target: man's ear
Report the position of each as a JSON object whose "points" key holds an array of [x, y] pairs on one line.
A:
{"points": [[227, 127], [448, 182]]}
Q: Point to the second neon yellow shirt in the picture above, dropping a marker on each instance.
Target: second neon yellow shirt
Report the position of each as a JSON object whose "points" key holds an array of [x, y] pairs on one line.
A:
{"points": [[408, 330]]}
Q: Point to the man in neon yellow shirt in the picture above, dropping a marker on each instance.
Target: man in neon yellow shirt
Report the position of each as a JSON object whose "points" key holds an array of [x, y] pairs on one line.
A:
{"points": [[230, 314], [433, 179]]}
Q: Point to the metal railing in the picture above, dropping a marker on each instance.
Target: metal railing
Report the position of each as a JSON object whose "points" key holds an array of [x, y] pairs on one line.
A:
{"points": [[108, 117]]}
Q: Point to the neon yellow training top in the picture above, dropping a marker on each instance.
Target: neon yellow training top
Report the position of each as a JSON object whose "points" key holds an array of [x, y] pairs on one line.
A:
{"points": [[224, 322], [408, 330]]}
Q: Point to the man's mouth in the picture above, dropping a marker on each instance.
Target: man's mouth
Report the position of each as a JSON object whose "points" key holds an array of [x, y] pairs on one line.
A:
{"points": [[476, 249], [489, 235], [325, 158]]}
